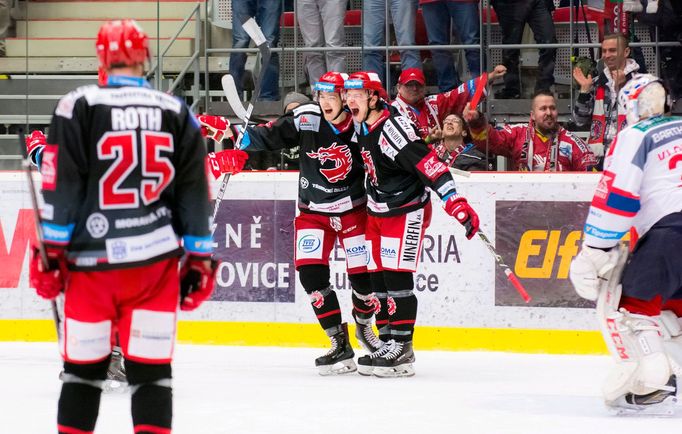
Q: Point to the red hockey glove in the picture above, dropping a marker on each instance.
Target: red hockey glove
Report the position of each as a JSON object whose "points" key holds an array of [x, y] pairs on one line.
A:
{"points": [[459, 208], [215, 127], [229, 161], [197, 278], [34, 143], [48, 281]]}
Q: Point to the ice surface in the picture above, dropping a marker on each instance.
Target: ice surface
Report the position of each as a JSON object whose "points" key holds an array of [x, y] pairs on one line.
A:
{"points": [[277, 390]]}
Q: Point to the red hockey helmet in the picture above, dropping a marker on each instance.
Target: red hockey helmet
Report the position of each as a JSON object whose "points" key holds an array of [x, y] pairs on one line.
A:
{"points": [[121, 42], [331, 82], [366, 80]]}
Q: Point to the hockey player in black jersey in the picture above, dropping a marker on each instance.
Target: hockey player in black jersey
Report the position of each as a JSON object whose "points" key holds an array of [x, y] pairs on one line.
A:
{"points": [[125, 192], [399, 167], [331, 200]]}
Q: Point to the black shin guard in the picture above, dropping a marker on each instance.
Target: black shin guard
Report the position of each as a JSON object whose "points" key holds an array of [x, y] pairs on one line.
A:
{"points": [[152, 408], [380, 291], [78, 406], [402, 304], [364, 301], [315, 281], [152, 396]]}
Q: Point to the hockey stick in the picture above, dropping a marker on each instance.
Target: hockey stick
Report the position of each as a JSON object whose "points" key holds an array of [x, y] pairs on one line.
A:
{"points": [[510, 275], [230, 90], [28, 170]]}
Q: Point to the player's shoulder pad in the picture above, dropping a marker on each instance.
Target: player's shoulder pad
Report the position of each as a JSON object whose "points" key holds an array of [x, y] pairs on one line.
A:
{"points": [[67, 103], [307, 117], [404, 126]]}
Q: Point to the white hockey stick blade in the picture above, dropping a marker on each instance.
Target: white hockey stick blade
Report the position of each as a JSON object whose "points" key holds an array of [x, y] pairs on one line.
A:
{"points": [[230, 91], [459, 172], [251, 28]]}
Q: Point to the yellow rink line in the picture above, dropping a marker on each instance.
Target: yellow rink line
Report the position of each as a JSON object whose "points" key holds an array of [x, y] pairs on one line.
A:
{"points": [[310, 335]]}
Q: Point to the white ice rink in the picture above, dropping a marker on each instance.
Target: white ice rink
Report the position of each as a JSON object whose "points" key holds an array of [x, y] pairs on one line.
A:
{"points": [[277, 390]]}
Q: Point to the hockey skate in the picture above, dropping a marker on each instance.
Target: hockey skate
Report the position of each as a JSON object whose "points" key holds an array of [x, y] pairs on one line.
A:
{"points": [[365, 335], [339, 358], [397, 362], [366, 363], [116, 381], [659, 403]]}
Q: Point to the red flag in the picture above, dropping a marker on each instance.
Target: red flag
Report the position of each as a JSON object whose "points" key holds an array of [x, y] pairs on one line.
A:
{"points": [[480, 85]]}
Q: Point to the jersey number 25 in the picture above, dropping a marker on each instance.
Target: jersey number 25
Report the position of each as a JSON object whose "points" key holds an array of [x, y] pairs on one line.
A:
{"points": [[157, 170]]}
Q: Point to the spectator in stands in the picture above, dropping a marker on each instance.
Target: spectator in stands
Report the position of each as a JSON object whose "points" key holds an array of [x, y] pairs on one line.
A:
{"points": [[539, 146], [290, 156], [444, 16], [267, 14], [428, 112], [404, 17], [513, 16], [598, 98], [667, 22], [321, 24], [454, 146]]}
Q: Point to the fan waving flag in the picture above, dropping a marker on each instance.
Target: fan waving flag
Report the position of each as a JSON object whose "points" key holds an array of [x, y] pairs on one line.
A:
{"points": [[480, 86]]}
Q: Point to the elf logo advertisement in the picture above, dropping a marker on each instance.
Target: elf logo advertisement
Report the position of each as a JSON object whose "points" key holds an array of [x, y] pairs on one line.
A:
{"points": [[538, 240]]}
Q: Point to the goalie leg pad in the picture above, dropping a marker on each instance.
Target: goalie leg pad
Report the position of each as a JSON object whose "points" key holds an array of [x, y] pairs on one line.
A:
{"points": [[642, 363]]}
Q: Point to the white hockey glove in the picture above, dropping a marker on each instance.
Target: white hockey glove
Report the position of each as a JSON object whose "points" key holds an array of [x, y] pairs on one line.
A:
{"points": [[597, 149], [589, 267]]}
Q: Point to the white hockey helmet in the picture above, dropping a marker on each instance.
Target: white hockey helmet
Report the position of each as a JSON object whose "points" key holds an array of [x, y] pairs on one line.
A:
{"points": [[642, 97]]}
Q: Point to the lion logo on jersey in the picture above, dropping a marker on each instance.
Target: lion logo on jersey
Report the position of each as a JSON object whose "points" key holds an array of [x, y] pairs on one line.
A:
{"points": [[340, 155], [370, 169]]}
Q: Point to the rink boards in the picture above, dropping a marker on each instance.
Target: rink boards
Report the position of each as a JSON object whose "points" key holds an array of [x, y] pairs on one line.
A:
{"points": [[465, 301]]}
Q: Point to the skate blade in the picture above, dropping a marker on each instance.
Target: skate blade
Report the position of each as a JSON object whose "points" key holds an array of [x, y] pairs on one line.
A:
{"points": [[666, 408], [365, 370], [113, 386], [404, 370], [339, 368]]}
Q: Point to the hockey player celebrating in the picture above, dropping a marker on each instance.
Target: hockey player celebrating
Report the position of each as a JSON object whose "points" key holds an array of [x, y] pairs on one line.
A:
{"points": [[331, 200], [125, 195], [399, 167], [639, 313]]}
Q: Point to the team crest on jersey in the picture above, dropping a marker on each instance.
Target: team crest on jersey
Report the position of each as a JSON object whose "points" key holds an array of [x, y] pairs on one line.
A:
{"points": [[603, 187], [340, 155], [595, 131], [431, 166], [370, 169]]}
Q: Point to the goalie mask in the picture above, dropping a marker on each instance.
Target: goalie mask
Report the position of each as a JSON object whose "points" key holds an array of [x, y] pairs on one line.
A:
{"points": [[643, 97]]}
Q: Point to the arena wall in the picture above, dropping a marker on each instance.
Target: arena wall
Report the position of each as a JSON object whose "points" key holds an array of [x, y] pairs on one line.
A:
{"points": [[465, 301]]}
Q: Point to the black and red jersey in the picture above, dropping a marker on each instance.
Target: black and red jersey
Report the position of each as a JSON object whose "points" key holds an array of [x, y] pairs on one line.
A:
{"points": [[331, 179], [123, 177], [399, 166]]}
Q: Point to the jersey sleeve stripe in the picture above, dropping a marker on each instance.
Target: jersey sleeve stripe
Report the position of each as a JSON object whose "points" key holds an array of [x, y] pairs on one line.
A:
{"points": [[202, 246], [57, 234], [603, 234]]}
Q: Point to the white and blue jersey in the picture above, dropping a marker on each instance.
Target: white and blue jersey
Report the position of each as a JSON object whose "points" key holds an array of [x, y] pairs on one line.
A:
{"points": [[641, 184]]}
